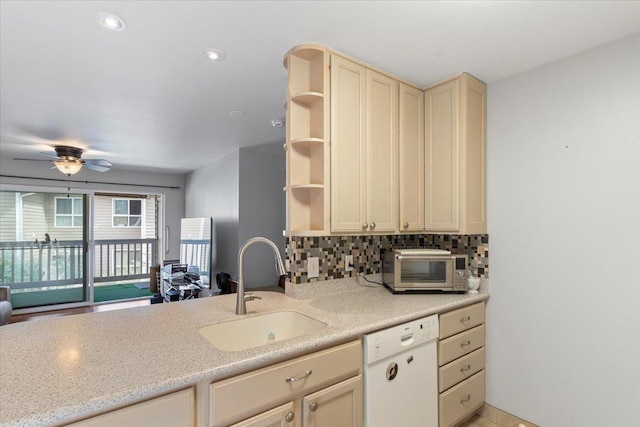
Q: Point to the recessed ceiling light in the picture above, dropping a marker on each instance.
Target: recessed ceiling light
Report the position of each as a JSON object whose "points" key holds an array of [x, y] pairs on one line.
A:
{"points": [[111, 21], [237, 113], [214, 54]]}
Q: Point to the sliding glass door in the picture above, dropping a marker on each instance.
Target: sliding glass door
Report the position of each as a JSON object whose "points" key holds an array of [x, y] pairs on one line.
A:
{"points": [[42, 247]]}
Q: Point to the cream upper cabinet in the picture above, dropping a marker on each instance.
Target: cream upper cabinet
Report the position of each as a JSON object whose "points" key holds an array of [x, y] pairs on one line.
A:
{"points": [[348, 151], [455, 156], [411, 159], [364, 117], [368, 153], [382, 153]]}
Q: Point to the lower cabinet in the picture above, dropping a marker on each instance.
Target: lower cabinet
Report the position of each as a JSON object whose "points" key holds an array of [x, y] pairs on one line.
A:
{"points": [[322, 389], [461, 358], [172, 410], [283, 415], [461, 400], [338, 405]]}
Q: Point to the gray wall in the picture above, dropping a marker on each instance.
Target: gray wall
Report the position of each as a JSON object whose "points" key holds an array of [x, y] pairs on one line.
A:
{"points": [[262, 211], [173, 200], [564, 209], [243, 194], [212, 191]]}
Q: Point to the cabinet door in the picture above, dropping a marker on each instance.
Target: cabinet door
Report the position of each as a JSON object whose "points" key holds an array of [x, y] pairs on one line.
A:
{"points": [[340, 405], [173, 410], [282, 416], [348, 155], [382, 153], [474, 165], [442, 157], [411, 162]]}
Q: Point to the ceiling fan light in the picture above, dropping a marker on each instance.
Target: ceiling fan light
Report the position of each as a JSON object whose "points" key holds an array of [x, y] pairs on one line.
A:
{"points": [[68, 167]]}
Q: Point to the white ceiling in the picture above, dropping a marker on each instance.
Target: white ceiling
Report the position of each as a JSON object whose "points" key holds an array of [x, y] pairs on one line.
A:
{"points": [[147, 98]]}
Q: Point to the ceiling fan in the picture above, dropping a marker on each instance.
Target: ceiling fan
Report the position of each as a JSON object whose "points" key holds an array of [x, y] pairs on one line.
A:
{"points": [[68, 161]]}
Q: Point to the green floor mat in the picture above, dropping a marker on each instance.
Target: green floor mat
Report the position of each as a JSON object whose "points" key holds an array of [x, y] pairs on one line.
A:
{"points": [[116, 292], [62, 296]]}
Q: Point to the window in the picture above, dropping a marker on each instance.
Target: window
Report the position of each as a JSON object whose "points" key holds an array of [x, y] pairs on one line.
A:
{"points": [[127, 213], [68, 211]]}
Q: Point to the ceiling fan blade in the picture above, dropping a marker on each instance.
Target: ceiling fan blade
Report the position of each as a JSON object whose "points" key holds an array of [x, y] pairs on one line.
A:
{"points": [[98, 162], [50, 155], [95, 167]]}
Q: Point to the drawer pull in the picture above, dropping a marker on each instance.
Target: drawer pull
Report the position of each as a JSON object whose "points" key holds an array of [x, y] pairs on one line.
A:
{"points": [[313, 406], [465, 399], [292, 379], [465, 343], [465, 319], [465, 368], [289, 417]]}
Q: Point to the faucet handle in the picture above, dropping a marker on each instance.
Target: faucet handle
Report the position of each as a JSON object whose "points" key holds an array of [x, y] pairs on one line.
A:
{"points": [[250, 296]]}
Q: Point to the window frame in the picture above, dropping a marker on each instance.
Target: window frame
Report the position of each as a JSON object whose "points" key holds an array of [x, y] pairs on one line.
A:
{"points": [[128, 215], [72, 215]]}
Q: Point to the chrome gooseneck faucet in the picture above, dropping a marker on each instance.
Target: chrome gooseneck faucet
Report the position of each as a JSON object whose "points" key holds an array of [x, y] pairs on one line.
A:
{"points": [[241, 306]]}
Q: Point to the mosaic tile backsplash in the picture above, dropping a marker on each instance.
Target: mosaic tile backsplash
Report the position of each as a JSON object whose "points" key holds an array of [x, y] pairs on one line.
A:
{"points": [[366, 252]]}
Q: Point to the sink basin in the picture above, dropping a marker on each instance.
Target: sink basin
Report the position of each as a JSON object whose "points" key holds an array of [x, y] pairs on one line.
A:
{"points": [[259, 330]]}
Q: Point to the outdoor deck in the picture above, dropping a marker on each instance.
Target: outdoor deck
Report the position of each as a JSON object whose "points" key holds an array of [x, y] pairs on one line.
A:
{"points": [[49, 273], [46, 273]]}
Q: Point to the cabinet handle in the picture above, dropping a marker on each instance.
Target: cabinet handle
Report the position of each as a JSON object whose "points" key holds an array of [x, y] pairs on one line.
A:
{"points": [[465, 368], [365, 226], [289, 417], [292, 379], [405, 225], [373, 225], [313, 406], [465, 343], [465, 399], [465, 319]]}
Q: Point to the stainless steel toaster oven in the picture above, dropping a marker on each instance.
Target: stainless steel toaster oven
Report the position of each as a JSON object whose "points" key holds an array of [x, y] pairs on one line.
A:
{"points": [[424, 270]]}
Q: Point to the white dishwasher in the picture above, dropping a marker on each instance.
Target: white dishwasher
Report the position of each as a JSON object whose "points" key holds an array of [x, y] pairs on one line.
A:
{"points": [[401, 375]]}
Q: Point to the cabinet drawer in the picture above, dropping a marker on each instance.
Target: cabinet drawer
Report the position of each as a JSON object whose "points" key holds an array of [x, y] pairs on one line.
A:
{"points": [[173, 410], [460, 320], [245, 395], [459, 345], [461, 400], [460, 369]]}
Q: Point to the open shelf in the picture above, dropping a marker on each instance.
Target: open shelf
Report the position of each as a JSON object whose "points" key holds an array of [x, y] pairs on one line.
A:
{"points": [[307, 145], [307, 187], [307, 98], [306, 208]]}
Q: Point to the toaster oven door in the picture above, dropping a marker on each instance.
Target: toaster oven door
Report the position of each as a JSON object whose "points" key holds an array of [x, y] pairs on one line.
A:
{"points": [[421, 273]]}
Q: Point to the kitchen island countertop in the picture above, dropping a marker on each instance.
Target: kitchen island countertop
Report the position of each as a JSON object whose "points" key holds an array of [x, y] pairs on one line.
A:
{"points": [[63, 369]]}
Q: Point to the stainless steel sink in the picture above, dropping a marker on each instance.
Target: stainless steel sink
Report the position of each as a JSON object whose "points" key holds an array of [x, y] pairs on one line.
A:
{"points": [[259, 330]]}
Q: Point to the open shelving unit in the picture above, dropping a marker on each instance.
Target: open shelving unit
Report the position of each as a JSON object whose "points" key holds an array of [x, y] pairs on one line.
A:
{"points": [[307, 144]]}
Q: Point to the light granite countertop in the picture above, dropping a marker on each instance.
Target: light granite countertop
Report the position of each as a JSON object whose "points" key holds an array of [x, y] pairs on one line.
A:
{"points": [[61, 369]]}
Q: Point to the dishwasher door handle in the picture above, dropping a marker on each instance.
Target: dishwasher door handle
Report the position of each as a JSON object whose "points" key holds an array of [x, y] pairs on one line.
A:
{"points": [[406, 340]]}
